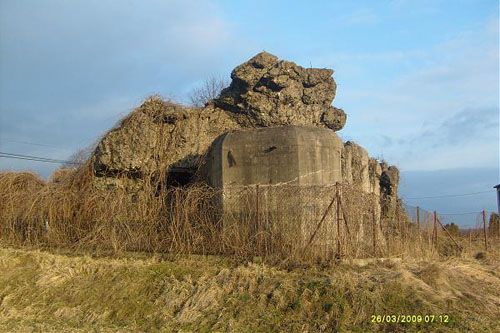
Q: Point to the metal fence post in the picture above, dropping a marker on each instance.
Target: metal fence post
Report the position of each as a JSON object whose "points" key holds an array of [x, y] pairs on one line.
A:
{"points": [[338, 219], [485, 233], [374, 225], [435, 236], [257, 208], [418, 219]]}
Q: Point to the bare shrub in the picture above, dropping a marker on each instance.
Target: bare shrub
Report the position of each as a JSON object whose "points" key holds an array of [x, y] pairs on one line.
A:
{"points": [[80, 156], [209, 89]]}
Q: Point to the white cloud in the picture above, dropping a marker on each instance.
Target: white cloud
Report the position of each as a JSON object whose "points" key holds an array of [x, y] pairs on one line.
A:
{"points": [[460, 74]]}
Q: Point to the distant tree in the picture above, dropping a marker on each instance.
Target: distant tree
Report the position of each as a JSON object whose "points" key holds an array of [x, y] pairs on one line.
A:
{"points": [[452, 228], [209, 89], [494, 227]]}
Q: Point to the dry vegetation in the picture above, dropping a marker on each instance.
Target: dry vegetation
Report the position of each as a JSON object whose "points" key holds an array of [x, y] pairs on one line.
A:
{"points": [[54, 292], [273, 261], [276, 223], [271, 277]]}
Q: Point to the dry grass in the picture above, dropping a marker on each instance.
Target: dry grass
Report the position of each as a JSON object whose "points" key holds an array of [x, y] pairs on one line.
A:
{"points": [[51, 292], [277, 223]]}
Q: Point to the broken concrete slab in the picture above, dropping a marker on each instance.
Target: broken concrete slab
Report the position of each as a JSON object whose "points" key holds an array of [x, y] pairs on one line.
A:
{"points": [[266, 91]]}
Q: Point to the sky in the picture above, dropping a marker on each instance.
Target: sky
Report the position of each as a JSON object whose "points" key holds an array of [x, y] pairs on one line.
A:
{"points": [[419, 80]]}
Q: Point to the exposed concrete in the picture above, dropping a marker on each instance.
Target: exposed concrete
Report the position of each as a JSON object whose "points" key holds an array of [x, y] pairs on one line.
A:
{"points": [[266, 92], [161, 136], [389, 181], [292, 155], [364, 173], [158, 136], [355, 169], [304, 159], [375, 172]]}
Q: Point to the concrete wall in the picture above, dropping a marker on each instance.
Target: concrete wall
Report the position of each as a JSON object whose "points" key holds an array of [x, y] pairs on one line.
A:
{"points": [[295, 168], [311, 159], [292, 155]]}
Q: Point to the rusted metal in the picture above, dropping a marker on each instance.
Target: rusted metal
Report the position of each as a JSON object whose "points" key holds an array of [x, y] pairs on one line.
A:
{"points": [[435, 235], [257, 208], [442, 226], [321, 221], [485, 233], [418, 219], [338, 220], [374, 225]]}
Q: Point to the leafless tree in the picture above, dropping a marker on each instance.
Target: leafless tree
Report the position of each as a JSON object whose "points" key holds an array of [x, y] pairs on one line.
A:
{"points": [[209, 89], [79, 157]]}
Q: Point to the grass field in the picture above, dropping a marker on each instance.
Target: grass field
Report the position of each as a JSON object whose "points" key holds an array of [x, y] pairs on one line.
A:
{"points": [[53, 291]]}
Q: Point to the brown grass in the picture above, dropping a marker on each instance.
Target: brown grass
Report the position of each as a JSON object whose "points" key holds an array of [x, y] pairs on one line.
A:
{"points": [[76, 213], [49, 292]]}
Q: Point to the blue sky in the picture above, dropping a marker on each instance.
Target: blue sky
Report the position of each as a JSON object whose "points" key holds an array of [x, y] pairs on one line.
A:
{"points": [[418, 79]]}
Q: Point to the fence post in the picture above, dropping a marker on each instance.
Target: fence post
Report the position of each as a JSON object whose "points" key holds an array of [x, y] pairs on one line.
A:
{"points": [[435, 235], [321, 221], [418, 219], [451, 237], [338, 219], [257, 208], [374, 224], [485, 234]]}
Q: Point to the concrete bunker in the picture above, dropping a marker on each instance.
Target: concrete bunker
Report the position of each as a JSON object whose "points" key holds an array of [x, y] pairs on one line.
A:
{"points": [[164, 143], [276, 177], [292, 155]]}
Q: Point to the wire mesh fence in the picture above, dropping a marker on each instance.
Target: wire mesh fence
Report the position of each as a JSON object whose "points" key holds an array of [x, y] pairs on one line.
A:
{"points": [[478, 231], [286, 222]]}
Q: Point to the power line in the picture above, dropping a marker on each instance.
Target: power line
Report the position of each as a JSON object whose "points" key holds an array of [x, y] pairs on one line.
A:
{"points": [[32, 144], [30, 156], [34, 158], [470, 213], [427, 212], [450, 195], [28, 159]]}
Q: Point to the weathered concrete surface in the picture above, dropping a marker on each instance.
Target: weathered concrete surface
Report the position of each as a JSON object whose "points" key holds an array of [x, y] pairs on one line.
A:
{"points": [[159, 135], [364, 173], [294, 167], [389, 181], [291, 155], [355, 169], [375, 172], [266, 91]]}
